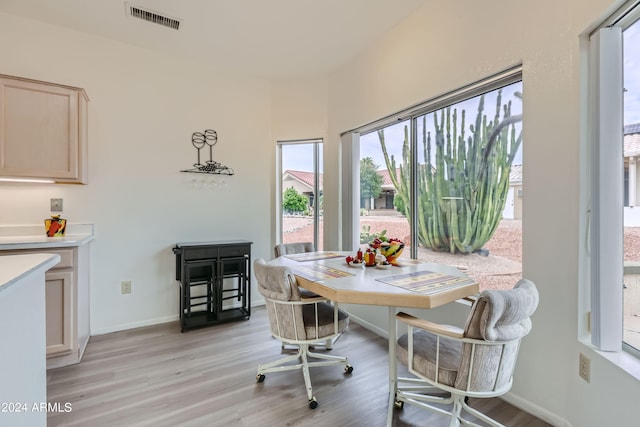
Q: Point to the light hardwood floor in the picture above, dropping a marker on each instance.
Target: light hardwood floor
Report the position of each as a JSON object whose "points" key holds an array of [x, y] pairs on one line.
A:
{"points": [[157, 376]]}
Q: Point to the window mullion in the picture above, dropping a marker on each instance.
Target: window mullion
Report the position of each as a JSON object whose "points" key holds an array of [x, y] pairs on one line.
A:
{"points": [[316, 194], [607, 249], [414, 187]]}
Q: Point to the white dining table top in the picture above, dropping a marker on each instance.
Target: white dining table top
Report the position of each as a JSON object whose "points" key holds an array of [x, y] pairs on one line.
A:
{"points": [[328, 274]]}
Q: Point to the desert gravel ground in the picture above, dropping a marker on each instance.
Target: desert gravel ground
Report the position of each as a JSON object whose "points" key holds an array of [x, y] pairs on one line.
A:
{"points": [[500, 269]]}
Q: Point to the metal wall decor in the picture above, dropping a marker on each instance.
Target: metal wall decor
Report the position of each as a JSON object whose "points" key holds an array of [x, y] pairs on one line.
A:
{"points": [[199, 140]]}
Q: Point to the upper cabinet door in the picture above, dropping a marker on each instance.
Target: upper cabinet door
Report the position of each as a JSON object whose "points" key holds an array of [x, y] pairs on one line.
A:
{"points": [[43, 130]]}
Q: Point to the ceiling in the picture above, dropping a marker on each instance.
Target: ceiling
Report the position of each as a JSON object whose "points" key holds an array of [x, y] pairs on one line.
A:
{"points": [[267, 38]]}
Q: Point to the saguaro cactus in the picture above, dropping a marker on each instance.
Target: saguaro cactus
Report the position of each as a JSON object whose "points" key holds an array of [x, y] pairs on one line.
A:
{"points": [[463, 185]]}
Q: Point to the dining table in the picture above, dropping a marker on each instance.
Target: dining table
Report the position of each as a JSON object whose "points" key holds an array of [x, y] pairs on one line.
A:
{"points": [[407, 283]]}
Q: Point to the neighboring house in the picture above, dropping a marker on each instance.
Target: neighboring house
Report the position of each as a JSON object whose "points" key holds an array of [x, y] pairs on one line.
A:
{"points": [[384, 202], [302, 182], [631, 153], [631, 171], [513, 205]]}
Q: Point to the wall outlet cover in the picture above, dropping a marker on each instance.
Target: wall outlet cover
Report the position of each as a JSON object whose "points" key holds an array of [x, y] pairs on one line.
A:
{"points": [[56, 205], [125, 287]]}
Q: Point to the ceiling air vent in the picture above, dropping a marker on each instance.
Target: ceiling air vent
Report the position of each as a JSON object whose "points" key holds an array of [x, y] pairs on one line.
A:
{"points": [[151, 16]]}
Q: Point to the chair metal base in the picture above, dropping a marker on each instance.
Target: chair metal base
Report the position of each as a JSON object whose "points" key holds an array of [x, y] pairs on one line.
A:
{"points": [[327, 344], [421, 394], [302, 356]]}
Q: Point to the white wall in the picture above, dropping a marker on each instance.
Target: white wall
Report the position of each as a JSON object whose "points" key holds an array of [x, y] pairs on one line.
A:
{"points": [[299, 111], [299, 108], [446, 45], [143, 108]]}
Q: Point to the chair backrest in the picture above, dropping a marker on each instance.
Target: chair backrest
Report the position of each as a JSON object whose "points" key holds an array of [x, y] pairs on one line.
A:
{"points": [[497, 316], [277, 283], [293, 248]]}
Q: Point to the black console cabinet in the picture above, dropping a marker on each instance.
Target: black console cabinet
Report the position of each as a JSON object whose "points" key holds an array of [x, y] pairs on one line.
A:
{"points": [[214, 280]]}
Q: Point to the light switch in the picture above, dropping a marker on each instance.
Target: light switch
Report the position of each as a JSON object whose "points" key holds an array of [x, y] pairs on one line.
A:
{"points": [[56, 205]]}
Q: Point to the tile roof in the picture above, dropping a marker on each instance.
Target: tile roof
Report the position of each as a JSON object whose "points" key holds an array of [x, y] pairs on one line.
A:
{"points": [[306, 178], [386, 178], [632, 128]]}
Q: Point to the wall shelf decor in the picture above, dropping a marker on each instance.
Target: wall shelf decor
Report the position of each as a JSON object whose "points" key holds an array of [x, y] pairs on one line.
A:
{"points": [[211, 172]]}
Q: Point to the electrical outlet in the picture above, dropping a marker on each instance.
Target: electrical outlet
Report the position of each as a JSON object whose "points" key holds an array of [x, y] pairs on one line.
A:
{"points": [[584, 368], [125, 287], [56, 205]]}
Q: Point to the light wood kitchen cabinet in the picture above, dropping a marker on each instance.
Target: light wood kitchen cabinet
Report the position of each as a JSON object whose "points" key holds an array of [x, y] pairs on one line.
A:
{"points": [[59, 289], [67, 304], [43, 130]]}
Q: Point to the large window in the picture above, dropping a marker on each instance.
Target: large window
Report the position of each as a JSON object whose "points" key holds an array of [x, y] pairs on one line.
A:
{"points": [[445, 177], [300, 191], [631, 143], [380, 176], [614, 224]]}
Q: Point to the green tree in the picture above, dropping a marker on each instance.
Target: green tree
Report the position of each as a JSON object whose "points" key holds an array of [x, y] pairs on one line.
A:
{"points": [[292, 201], [370, 181], [463, 186]]}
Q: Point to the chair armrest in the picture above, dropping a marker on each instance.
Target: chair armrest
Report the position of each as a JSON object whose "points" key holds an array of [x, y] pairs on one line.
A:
{"points": [[308, 300], [301, 302], [471, 298], [436, 328]]}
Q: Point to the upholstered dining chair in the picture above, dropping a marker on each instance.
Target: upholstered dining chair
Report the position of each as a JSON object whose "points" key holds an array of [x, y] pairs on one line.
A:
{"points": [[297, 248], [453, 364], [299, 321], [293, 248], [282, 249]]}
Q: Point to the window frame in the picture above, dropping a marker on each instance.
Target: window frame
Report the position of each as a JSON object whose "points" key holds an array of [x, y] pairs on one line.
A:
{"points": [[317, 152], [603, 257], [350, 150]]}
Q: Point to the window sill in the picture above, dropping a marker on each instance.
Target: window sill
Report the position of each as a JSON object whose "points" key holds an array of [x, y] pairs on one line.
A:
{"points": [[624, 360]]}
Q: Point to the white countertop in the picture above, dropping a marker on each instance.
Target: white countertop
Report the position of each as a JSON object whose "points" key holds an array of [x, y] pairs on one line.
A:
{"points": [[15, 267], [33, 237]]}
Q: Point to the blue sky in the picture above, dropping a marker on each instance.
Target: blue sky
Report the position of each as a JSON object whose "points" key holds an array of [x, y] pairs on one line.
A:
{"points": [[394, 135], [299, 156]]}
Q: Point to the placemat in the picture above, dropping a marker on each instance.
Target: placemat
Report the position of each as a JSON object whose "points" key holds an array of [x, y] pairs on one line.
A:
{"points": [[312, 256], [319, 272], [403, 262], [426, 282]]}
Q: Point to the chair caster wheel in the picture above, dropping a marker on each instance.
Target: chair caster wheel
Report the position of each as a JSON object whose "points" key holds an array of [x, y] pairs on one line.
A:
{"points": [[348, 369], [313, 403], [260, 378]]}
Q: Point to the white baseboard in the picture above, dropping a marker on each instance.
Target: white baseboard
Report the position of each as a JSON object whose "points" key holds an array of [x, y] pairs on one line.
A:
{"points": [[369, 326], [132, 325], [150, 322], [535, 410]]}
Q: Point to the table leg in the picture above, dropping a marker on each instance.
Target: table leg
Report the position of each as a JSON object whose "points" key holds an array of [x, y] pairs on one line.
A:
{"points": [[393, 367]]}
